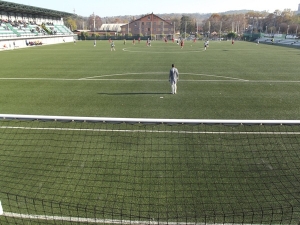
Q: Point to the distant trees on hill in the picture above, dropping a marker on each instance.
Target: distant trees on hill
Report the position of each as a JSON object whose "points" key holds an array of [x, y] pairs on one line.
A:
{"points": [[285, 21], [277, 22]]}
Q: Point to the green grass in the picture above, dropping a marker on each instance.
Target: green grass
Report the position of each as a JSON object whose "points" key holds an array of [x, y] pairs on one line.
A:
{"points": [[142, 176], [240, 81]]}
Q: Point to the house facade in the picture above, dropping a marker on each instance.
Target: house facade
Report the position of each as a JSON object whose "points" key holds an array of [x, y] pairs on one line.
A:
{"points": [[149, 25]]}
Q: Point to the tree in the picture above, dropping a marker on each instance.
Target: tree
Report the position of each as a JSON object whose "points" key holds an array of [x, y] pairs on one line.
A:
{"points": [[70, 22], [231, 35], [97, 23], [215, 22], [186, 25], [81, 22], [176, 21], [287, 15], [84, 35]]}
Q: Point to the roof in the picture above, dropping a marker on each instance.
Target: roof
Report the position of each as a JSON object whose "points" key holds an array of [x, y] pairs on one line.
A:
{"points": [[152, 15], [112, 27], [20, 8]]}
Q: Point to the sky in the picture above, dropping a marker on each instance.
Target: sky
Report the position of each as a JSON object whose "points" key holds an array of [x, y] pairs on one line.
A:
{"points": [[108, 8]]}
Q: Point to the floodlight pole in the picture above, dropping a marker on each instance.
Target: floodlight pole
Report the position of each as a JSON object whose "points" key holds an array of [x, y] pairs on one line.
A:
{"points": [[94, 21], [185, 29], [220, 30], [151, 31], [94, 24], [174, 31]]}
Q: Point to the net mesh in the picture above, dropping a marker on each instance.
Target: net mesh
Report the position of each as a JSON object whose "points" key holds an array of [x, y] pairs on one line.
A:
{"points": [[82, 172]]}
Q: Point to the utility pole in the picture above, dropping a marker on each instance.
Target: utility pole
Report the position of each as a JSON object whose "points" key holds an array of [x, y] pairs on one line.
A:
{"points": [[94, 21]]}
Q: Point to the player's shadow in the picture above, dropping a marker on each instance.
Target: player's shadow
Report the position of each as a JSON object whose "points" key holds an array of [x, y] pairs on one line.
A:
{"points": [[135, 93]]}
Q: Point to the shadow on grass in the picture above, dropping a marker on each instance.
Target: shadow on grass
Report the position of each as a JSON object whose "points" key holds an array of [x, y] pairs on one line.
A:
{"points": [[136, 93]]}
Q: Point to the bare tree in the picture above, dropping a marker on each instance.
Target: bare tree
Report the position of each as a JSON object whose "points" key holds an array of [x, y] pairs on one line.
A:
{"points": [[94, 22]]}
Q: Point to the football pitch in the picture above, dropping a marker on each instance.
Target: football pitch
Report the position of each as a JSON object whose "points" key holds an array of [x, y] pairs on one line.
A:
{"points": [[116, 173], [240, 81]]}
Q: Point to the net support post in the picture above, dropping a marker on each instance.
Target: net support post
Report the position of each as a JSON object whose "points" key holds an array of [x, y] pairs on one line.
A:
{"points": [[1, 209]]}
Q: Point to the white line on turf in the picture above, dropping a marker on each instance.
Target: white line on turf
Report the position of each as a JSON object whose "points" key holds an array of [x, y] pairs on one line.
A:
{"points": [[158, 52], [148, 131], [100, 77], [193, 74], [102, 221]]}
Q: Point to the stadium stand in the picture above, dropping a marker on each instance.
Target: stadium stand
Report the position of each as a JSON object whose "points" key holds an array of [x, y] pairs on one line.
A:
{"points": [[296, 43], [24, 29], [26, 21], [288, 42], [5, 31], [23, 26], [63, 29]]}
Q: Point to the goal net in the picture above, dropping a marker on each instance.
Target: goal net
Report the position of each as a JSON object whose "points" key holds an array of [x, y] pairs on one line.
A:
{"points": [[81, 170]]}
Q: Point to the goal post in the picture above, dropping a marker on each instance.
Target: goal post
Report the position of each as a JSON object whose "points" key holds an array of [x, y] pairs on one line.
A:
{"points": [[99, 170]]}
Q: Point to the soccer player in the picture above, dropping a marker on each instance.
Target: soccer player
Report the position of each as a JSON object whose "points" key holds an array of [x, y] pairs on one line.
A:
{"points": [[173, 79], [181, 43], [112, 46], [205, 45]]}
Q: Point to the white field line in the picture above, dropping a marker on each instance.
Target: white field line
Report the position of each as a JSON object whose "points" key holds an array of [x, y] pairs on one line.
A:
{"points": [[147, 131], [99, 78], [49, 79], [154, 80], [122, 74], [103, 221], [206, 75], [171, 52], [193, 50]]}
